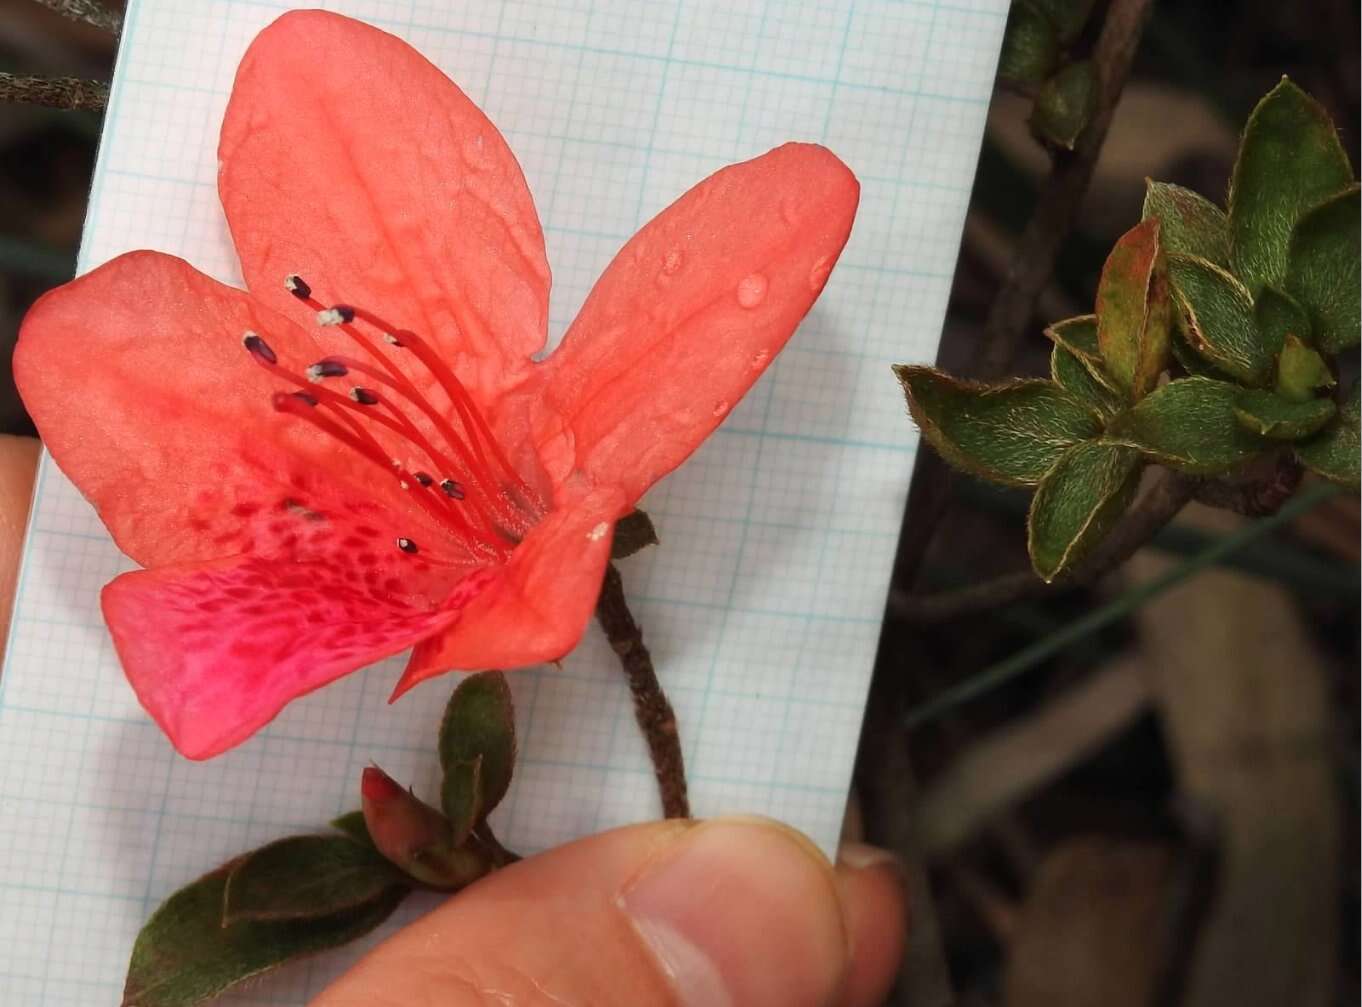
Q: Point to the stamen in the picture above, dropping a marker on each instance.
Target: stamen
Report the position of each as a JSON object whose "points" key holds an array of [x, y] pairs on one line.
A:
{"points": [[258, 348], [328, 368], [363, 396], [295, 285], [407, 546], [423, 478], [339, 314], [452, 489]]}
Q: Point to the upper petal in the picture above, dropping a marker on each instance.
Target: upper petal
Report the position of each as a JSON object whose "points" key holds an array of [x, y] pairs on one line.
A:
{"points": [[137, 380], [214, 651], [535, 608], [349, 159], [689, 314]]}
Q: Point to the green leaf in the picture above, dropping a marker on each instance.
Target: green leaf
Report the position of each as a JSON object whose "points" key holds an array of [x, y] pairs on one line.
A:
{"points": [[1279, 318], [1336, 452], [1301, 372], [1010, 433], [1215, 315], [478, 726], [1323, 270], [1192, 362], [1030, 47], [1190, 223], [1071, 374], [352, 824], [1068, 16], [184, 955], [1189, 425], [1079, 336], [305, 877], [633, 533], [462, 798], [1289, 160], [1279, 419], [1065, 104], [1078, 503], [1134, 311]]}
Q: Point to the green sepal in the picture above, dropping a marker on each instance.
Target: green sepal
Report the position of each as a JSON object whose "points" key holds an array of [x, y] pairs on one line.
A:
{"points": [[1323, 271], [1289, 160], [184, 955], [478, 727], [633, 533], [1134, 311], [461, 796], [303, 877], [1336, 451], [1190, 223], [1276, 418], [1188, 424], [352, 824], [1216, 317], [1077, 504], [1009, 433], [1065, 104]]}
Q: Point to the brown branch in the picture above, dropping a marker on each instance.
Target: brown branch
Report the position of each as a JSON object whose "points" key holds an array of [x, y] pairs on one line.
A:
{"points": [[1062, 195], [55, 92], [1257, 497], [652, 710], [90, 12], [1154, 510]]}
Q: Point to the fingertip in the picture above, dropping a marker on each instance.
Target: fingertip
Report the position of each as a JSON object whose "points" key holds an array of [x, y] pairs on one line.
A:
{"points": [[870, 882]]}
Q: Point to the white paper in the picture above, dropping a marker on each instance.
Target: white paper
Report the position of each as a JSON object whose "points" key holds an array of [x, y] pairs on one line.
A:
{"points": [[763, 604]]}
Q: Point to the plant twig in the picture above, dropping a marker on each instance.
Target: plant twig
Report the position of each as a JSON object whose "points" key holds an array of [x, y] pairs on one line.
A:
{"points": [[1062, 195], [54, 92], [1154, 510], [1117, 608], [652, 710], [90, 12], [1258, 497]]}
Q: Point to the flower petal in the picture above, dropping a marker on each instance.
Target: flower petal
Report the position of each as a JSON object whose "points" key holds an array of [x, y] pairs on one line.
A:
{"points": [[215, 651], [349, 159], [538, 605], [689, 314], [137, 380]]}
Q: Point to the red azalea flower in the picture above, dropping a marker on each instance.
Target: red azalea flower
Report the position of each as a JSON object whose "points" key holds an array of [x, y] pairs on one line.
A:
{"points": [[403, 473]]}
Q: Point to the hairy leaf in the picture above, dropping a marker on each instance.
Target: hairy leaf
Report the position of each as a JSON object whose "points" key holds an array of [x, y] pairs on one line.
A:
{"points": [[1215, 315], [184, 955], [1336, 451], [478, 727], [305, 877], [1078, 502], [1071, 374], [352, 824], [1323, 270], [1290, 159], [1134, 311], [1279, 318], [1301, 372], [1190, 224], [1010, 433], [1065, 104], [1189, 425], [1281, 419], [1068, 16]]}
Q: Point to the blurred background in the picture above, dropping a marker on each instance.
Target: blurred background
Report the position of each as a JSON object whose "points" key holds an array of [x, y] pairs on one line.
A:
{"points": [[1176, 787]]}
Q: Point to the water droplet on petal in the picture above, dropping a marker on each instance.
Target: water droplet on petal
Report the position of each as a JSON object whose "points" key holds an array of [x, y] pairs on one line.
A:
{"points": [[720, 408], [818, 273], [759, 358], [752, 290], [671, 262]]}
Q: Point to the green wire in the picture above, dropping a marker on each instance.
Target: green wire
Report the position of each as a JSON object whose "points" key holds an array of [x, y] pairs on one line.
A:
{"points": [[1117, 608]]}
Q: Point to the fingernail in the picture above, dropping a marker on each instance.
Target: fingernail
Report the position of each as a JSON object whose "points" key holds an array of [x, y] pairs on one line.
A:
{"points": [[863, 857], [742, 913]]}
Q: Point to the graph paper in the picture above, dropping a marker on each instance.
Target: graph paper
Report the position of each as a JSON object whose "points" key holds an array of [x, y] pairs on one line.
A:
{"points": [[763, 603]]}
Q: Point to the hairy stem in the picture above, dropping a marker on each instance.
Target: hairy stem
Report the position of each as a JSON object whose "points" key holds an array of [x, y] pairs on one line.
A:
{"points": [[54, 92], [1062, 195], [652, 710], [90, 12]]}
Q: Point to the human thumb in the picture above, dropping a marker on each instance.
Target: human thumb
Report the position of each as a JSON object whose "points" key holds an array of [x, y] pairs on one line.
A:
{"points": [[725, 913]]}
